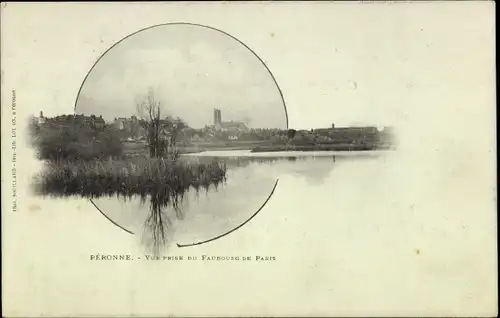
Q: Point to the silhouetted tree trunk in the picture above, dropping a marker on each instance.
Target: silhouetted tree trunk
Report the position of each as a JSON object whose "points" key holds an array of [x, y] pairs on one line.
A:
{"points": [[148, 110]]}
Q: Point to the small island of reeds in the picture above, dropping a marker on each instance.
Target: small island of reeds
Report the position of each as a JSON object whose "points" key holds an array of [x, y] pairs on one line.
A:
{"points": [[84, 156], [127, 176]]}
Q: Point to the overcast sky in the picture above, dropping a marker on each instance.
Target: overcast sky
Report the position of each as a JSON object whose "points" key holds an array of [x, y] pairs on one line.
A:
{"points": [[376, 64], [192, 70]]}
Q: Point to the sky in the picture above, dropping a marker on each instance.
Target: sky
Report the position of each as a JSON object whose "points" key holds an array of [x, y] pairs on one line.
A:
{"points": [[192, 70], [374, 64]]}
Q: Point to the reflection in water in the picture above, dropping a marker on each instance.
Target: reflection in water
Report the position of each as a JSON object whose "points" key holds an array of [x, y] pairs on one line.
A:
{"points": [[159, 226], [158, 222], [166, 209], [161, 210]]}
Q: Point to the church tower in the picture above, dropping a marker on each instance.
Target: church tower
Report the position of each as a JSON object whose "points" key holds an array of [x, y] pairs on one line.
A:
{"points": [[217, 117]]}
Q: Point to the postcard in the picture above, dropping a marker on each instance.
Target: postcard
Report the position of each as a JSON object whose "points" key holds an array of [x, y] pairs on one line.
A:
{"points": [[248, 159]]}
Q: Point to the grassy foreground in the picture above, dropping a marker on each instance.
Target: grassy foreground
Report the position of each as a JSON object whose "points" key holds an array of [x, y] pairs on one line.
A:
{"points": [[135, 176]]}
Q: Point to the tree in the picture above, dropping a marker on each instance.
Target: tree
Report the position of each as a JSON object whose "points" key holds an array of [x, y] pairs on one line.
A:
{"points": [[163, 135], [148, 110], [302, 139], [291, 133], [175, 128], [73, 140]]}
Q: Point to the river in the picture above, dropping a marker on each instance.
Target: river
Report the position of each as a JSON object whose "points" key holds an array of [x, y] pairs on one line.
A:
{"points": [[251, 179], [369, 232]]}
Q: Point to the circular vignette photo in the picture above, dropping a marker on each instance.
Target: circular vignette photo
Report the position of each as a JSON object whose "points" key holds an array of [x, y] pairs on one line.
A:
{"points": [[172, 119]]}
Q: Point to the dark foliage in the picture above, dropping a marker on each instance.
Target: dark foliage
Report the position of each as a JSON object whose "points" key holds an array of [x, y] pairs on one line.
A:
{"points": [[73, 140]]}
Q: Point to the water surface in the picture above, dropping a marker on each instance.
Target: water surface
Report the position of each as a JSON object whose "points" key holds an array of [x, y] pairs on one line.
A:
{"points": [[251, 177]]}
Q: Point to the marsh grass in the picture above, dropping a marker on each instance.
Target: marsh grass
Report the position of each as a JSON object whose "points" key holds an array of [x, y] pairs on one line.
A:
{"points": [[156, 177]]}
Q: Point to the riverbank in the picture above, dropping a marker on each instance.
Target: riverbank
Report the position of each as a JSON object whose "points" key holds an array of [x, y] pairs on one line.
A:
{"points": [[131, 148], [258, 147], [318, 147]]}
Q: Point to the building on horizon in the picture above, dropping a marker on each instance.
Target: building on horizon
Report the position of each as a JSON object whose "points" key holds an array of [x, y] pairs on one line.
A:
{"points": [[67, 120], [232, 127], [217, 117], [40, 119], [130, 128]]}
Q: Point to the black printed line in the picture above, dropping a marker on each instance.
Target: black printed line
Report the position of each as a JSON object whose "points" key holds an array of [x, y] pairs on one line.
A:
{"points": [[239, 226], [109, 219]]}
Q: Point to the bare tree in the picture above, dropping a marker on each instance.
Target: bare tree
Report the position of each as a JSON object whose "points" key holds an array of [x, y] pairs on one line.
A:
{"points": [[149, 112], [163, 135], [175, 128]]}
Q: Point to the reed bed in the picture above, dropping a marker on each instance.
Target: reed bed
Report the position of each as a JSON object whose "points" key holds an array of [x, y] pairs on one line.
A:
{"points": [[161, 179]]}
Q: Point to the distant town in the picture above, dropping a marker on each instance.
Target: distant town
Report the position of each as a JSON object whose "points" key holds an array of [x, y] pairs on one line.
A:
{"points": [[131, 130]]}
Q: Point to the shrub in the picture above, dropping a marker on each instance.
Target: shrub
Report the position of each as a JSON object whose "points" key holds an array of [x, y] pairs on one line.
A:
{"points": [[76, 142]]}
